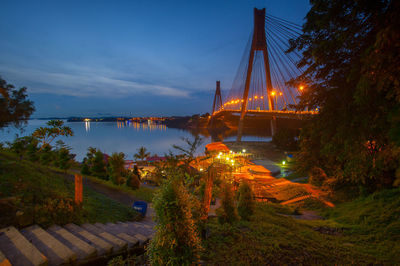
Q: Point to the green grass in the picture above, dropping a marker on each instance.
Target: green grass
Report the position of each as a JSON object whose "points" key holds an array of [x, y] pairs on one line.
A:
{"points": [[31, 193], [369, 232], [143, 193]]}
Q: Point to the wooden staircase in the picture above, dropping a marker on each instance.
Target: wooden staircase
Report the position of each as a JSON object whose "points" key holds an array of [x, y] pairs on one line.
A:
{"points": [[71, 244]]}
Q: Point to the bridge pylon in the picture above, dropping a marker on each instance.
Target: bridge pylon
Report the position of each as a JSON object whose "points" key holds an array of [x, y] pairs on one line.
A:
{"points": [[217, 98], [217, 103], [259, 43]]}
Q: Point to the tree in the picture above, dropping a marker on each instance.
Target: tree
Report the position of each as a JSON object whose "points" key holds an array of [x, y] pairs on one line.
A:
{"points": [[98, 167], [176, 241], [351, 58], [46, 155], [142, 154], [47, 134], [246, 201], [15, 108], [23, 145], [227, 212], [117, 167], [189, 153]]}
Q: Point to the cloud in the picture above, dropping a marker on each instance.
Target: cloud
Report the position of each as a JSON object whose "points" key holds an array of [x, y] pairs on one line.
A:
{"points": [[84, 81]]}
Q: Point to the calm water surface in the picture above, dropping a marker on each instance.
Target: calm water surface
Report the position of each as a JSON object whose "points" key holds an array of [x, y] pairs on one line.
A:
{"points": [[112, 137]]}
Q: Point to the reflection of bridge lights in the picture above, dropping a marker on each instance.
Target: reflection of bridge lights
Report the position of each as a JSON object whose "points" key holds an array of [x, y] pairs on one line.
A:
{"points": [[280, 93], [249, 99], [301, 88], [262, 97], [255, 97], [273, 93]]}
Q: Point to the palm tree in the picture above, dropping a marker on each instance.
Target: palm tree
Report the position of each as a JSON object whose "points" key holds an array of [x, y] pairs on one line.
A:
{"points": [[142, 154]]}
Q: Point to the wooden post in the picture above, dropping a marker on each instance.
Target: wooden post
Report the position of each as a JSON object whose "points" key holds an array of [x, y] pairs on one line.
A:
{"points": [[78, 189]]}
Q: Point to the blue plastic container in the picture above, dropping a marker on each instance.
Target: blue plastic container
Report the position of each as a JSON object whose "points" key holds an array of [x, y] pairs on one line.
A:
{"points": [[140, 207]]}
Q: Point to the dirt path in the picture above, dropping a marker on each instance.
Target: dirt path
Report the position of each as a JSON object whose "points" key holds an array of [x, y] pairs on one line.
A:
{"points": [[117, 195]]}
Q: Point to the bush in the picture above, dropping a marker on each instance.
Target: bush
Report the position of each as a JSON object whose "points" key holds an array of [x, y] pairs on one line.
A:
{"points": [[246, 201], [317, 176], [227, 212], [133, 181], [46, 155], [85, 170], [176, 241]]}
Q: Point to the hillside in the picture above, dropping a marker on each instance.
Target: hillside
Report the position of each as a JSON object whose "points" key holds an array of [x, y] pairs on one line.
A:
{"points": [[364, 231], [34, 194]]}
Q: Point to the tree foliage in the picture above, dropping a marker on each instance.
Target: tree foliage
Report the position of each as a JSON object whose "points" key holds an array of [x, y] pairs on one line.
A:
{"points": [[117, 167], [246, 201], [351, 54], [176, 241], [47, 134], [141, 154], [15, 108], [227, 213]]}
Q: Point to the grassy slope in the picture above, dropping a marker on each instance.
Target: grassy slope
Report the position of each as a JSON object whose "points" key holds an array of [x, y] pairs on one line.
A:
{"points": [[143, 193], [371, 230], [30, 186]]}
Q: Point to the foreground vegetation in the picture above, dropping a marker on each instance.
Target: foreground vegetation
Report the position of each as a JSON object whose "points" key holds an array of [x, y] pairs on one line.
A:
{"points": [[35, 194], [360, 232]]}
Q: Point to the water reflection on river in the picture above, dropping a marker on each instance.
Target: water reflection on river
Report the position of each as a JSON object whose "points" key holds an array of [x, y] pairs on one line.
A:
{"points": [[124, 136]]}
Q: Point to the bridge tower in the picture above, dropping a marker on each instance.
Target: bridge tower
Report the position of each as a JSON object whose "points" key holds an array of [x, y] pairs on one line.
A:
{"points": [[259, 43], [217, 98], [217, 104]]}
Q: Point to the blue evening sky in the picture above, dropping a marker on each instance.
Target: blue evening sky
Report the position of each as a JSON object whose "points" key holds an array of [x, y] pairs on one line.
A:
{"points": [[137, 57]]}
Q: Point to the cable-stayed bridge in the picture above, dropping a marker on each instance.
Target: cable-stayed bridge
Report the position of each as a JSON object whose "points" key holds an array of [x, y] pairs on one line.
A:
{"points": [[263, 83]]}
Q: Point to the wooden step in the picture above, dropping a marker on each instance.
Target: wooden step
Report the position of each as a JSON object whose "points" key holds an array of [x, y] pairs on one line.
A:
{"points": [[56, 252], [83, 250], [3, 260], [18, 250], [103, 247], [132, 241], [117, 243], [144, 230], [133, 231]]}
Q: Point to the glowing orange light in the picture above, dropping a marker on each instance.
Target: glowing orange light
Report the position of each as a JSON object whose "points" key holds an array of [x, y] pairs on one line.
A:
{"points": [[262, 97], [301, 88], [255, 97], [273, 93], [280, 93], [249, 99]]}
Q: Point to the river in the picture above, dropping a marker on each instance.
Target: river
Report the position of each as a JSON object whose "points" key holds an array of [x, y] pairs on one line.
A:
{"points": [[124, 137]]}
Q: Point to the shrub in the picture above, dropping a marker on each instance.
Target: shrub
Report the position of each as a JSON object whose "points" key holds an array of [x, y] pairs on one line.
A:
{"points": [[317, 176], [85, 170], [133, 181], [176, 241], [246, 201], [227, 212], [46, 155]]}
